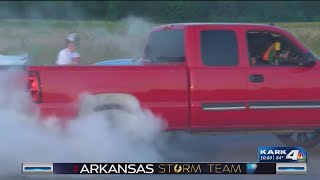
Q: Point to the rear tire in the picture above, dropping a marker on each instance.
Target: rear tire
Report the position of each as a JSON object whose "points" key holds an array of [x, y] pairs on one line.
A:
{"points": [[307, 140], [119, 117]]}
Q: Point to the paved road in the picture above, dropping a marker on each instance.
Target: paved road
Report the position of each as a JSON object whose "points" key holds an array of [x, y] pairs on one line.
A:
{"points": [[220, 148]]}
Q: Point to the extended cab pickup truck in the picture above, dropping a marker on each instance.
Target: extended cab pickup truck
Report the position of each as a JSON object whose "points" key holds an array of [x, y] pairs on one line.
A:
{"points": [[202, 77]]}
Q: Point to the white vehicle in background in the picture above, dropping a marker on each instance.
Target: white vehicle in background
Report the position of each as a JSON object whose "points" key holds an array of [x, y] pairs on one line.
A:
{"points": [[20, 59], [15, 53]]}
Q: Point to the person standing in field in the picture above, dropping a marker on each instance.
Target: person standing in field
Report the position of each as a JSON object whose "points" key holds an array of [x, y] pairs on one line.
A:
{"points": [[69, 54]]}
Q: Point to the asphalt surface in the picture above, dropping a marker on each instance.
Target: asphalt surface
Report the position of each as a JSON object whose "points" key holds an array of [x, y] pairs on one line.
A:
{"points": [[222, 148]]}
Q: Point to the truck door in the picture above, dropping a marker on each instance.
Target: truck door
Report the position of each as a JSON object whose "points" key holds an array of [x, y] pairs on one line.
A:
{"points": [[218, 80], [282, 93]]}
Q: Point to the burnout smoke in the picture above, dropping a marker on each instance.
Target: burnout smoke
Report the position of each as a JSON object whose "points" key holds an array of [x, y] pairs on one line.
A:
{"points": [[116, 136], [126, 40]]}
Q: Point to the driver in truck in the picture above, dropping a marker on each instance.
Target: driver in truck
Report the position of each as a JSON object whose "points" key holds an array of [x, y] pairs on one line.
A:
{"points": [[277, 52], [69, 55], [272, 54]]}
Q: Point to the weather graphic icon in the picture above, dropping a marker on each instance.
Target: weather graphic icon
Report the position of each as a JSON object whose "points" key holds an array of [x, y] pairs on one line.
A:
{"points": [[251, 168]]}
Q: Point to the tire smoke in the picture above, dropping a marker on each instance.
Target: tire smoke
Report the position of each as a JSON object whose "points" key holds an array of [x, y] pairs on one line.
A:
{"points": [[114, 136]]}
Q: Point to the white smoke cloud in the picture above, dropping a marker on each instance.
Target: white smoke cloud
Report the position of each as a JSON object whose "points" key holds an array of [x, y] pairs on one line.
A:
{"points": [[95, 137], [123, 39]]}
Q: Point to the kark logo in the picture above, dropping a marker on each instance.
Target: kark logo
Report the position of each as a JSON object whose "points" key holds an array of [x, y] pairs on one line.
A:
{"points": [[273, 151]]}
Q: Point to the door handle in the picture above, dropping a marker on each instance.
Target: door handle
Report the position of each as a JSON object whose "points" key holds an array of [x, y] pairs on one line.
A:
{"points": [[256, 78]]}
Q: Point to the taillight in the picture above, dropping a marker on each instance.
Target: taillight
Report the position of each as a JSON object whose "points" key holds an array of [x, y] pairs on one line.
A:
{"points": [[34, 86]]}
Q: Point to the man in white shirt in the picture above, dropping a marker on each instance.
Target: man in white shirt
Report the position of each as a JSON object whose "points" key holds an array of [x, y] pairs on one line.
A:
{"points": [[69, 55]]}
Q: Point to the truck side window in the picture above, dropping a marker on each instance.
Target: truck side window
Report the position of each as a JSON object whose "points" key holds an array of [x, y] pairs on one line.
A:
{"points": [[271, 49], [165, 46], [219, 48]]}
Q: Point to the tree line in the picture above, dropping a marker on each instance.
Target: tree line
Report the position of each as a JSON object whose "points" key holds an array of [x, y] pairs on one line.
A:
{"points": [[165, 11]]}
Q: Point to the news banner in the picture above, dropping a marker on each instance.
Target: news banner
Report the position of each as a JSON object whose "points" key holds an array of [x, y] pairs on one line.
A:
{"points": [[271, 160]]}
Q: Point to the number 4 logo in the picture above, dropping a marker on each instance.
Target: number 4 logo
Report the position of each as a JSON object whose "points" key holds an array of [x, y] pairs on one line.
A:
{"points": [[293, 155]]}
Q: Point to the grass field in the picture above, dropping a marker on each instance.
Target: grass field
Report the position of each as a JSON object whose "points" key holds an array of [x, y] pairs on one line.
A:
{"points": [[102, 40], [99, 40]]}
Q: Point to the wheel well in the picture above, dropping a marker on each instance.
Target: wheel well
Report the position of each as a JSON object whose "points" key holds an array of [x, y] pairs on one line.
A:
{"points": [[104, 107], [107, 101]]}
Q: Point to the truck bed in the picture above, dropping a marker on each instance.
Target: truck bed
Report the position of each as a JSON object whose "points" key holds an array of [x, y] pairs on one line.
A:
{"points": [[160, 88]]}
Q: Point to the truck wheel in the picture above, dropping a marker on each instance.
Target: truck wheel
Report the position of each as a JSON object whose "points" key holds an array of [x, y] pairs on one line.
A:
{"points": [[307, 140]]}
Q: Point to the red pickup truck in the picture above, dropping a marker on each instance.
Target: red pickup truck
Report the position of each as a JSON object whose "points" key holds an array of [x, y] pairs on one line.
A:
{"points": [[202, 77]]}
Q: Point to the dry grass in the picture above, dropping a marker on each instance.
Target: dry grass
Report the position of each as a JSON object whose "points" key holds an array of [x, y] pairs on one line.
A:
{"points": [[307, 33], [102, 40], [99, 40]]}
